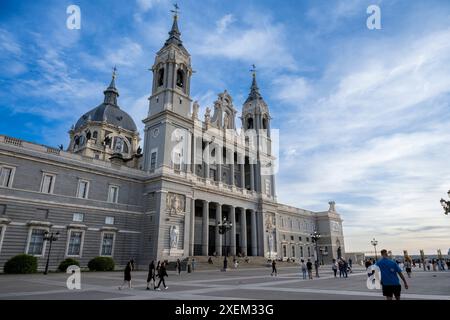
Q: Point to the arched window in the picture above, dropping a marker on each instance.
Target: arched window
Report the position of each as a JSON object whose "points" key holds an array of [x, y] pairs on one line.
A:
{"points": [[180, 78], [250, 123], [264, 123], [94, 136], [120, 145], [161, 77]]}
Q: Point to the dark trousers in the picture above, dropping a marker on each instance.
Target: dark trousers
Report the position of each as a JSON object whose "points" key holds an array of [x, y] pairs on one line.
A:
{"points": [[161, 279], [335, 272], [274, 270]]}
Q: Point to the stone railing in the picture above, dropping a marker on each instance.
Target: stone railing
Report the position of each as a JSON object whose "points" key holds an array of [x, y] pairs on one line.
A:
{"points": [[13, 141]]}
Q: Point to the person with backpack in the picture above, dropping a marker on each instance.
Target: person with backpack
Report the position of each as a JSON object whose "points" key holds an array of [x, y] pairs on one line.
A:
{"points": [[334, 267], [303, 267]]}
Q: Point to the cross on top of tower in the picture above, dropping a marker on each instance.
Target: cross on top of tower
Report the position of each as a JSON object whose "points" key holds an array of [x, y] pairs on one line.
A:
{"points": [[176, 9], [114, 74], [253, 69]]}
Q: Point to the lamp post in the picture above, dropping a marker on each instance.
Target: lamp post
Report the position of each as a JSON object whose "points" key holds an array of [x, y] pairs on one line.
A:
{"points": [[375, 243], [315, 236], [223, 229], [446, 204], [49, 236]]}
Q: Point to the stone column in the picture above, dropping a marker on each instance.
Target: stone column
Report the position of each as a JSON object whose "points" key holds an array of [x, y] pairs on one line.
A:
{"points": [[233, 230], [242, 176], [254, 235], [192, 242], [243, 231], [205, 235], [218, 235], [232, 174], [252, 177], [206, 170]]}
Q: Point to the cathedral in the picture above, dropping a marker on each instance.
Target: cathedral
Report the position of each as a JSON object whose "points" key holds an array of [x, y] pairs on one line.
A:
{"points": [[196, 187]]}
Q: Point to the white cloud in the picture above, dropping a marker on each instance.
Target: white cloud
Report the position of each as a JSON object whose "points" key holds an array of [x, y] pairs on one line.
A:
{"points": [[224, 22], [262, 43], [376, 143], [146, 5]]}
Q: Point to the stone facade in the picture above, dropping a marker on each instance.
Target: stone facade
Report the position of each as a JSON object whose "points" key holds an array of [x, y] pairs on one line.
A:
{"points": [[162, 202]]}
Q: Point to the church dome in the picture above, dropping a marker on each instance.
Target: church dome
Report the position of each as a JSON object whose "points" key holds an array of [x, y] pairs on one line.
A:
{"points": [[109, 112]]}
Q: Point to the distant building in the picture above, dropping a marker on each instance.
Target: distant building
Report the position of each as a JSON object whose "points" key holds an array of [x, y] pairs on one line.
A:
{"points": [[107, 197]]}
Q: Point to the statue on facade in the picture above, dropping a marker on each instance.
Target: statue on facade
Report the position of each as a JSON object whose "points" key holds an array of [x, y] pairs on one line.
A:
{"points": [[174, 233], [339, 252], [270, 241], [332, 206], [175, 203], [208, 115], [226, 120], [195, 108], [119, 145]]}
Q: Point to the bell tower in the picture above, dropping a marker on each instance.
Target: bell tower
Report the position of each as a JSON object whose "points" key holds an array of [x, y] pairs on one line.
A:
{"points": [[256, 124], [171, 75]]}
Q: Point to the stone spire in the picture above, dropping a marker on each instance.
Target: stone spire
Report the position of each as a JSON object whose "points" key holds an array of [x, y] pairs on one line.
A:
{"points": [[254, 90], [174, 34], [111, 93]]}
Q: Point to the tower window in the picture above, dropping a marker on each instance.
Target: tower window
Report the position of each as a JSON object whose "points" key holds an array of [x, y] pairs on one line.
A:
{"points": [[250, 123], [161, 77], [264, 123], [180, 78]]}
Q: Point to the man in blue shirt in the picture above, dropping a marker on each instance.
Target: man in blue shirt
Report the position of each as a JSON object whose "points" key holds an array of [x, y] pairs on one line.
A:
{"points": [[389, 279]]}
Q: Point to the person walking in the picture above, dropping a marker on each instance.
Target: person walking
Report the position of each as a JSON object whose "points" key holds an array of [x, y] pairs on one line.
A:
{"points": [[151, 274], [350, 262], [178, 266], [193, 264], [303, 267], [408, 268], [334, 267], [309, 268], [316, 267], [274, 268], [341, 268], [390, 271], [127, 274], [162, 273], [345, 268], [368, 264]]}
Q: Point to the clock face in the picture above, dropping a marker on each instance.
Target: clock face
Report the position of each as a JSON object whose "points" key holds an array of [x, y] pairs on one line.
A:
{"points": [[155, 132], [335, 227]]}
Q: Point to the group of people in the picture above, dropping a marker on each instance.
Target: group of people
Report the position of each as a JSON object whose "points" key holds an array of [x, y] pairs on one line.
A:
{"points": [[154, 271], [343, 266]]}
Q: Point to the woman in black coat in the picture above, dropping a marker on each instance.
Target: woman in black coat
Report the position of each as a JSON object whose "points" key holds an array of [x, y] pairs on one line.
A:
{"points": [[151, 274], [127, 274], [162, 273]]}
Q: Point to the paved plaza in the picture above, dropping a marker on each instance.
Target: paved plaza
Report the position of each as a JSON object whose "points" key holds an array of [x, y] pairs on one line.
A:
{"points": [[249, 283]]}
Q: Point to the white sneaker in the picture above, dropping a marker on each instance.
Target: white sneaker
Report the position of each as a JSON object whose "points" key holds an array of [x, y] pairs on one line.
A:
{"points": [[166, 288], [158, 289]]}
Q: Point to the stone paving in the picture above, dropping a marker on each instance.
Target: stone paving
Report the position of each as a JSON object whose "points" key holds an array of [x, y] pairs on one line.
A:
{"points": [[240, 284]]}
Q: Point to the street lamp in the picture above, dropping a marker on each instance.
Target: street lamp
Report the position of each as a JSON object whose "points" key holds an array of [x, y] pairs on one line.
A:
{"points": [[446, 204], [223, 229], [315, 236], [49, 237], [375, 243]]}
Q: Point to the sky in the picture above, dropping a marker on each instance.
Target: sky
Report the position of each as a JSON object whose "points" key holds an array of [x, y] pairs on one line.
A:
{"points": [[363, 114]]}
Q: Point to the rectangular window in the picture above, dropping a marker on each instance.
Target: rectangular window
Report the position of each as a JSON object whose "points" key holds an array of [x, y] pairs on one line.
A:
{"points": [[177, 161], [293, 251], [75, 239], [36, 242], [113, 194], [309, 252], [2, 209], [107, 244], [307, 239], [153, 159], [212, 174], [83, 189], [292, 238], [6, 176], [299, 238], [284, 251], [301, 251], [109, 220], [48, 182], [284, 237], [267, 187], [78, 217]]}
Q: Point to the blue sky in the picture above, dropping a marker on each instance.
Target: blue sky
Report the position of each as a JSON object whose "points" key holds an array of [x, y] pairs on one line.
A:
{"points": [[363, 114]]}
